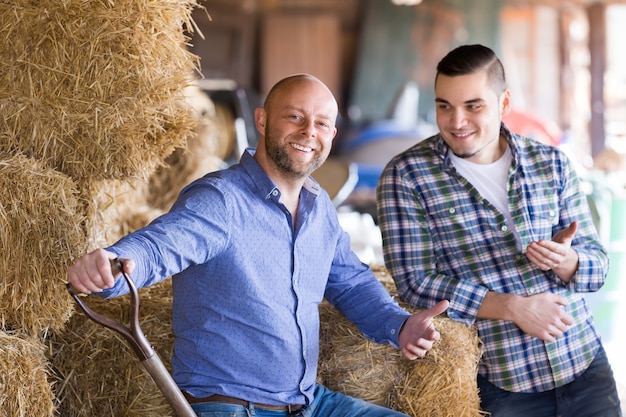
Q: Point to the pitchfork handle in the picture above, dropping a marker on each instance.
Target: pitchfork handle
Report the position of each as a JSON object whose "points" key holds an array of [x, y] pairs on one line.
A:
{"points": [[142, 347], [133, 334]]}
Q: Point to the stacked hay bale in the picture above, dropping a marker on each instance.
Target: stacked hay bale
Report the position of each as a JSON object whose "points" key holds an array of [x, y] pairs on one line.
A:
{"points": [[92, 97], [40, 232], [118, 207], [442, 384], [93, 89], [25, 390], [205, 151], [41, 223]]}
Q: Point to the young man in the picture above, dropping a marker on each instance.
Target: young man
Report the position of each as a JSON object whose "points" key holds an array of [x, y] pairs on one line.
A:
{"points": [[253, 250], [498, 224]]}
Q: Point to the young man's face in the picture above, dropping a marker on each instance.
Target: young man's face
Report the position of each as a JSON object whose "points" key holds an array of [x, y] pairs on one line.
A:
{"points": [[469, 113]]}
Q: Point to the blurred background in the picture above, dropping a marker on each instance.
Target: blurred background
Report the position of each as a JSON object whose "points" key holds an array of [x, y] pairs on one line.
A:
{"points": [[565, 67]]}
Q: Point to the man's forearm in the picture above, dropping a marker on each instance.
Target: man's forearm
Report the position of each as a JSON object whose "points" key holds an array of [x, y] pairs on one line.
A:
{"points": [[497, 306]]}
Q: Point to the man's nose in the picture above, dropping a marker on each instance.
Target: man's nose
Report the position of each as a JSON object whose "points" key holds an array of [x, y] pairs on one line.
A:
{"points": [[458, 118], [309, 128]]}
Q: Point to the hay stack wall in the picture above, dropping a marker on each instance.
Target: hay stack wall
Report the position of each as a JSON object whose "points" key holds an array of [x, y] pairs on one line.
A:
{"points": [[92, 98], [41, 231], [93, 88]]}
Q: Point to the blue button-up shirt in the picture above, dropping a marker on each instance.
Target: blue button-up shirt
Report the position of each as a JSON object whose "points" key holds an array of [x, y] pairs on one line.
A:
{"points": [[444, 240], [247, 283]]}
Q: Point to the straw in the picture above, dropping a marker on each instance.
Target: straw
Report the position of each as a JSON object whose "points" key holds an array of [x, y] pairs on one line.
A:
{"points": [[41, 232], [24, 387], [98, 374], [95, 88]]}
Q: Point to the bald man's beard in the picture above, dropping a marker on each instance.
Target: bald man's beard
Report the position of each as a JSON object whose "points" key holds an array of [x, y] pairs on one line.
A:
{"points": [[280, 157]]}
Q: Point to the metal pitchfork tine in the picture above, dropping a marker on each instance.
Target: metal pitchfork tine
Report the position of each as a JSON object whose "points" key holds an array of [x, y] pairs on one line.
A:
{"points": [[142, 347]]}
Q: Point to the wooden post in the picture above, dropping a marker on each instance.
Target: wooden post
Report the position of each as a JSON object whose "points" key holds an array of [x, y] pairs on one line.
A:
{"points": [[597, 49], [566, 76]]}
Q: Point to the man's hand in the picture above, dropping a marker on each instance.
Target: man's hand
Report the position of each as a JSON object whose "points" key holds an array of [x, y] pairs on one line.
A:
{"points": [[556, 254], [418, 333], [92, 272], [542, 315]]}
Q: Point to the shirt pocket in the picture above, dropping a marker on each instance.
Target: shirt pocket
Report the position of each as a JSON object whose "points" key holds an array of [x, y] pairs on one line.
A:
{"points": [[456, 225], [544, 215]]}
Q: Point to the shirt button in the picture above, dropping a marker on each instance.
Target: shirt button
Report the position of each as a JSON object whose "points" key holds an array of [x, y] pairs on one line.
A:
{"points": [[452, 210], [275, 193], [552, 213], [505, 228], [393, 331]]}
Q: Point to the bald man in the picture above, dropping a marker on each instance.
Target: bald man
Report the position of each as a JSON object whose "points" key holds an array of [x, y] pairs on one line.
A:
{"points": [[252, 250]]}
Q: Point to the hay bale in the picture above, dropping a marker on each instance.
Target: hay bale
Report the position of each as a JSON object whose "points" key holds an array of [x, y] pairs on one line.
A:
{"points": [[353, 365], [205, 151], [98, 374], [41, 221], [115, 208], [24, 386], [442, 384], [95, 88], [225, 131]]}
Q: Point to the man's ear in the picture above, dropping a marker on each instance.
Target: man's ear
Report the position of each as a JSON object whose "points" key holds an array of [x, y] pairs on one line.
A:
{"points": [[505, 102], [260, 120]]}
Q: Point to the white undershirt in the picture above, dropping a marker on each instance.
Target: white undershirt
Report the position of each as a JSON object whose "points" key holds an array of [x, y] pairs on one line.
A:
{"points": [[491, 182]]}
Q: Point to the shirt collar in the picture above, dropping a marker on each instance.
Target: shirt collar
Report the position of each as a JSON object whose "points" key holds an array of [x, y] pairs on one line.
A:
{"points": [[264, 184]]}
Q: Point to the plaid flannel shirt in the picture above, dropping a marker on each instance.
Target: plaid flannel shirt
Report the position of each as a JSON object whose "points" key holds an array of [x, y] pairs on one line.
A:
{"points": [[443, 240]]}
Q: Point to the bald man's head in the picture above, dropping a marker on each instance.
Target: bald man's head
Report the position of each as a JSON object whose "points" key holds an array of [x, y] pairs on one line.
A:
{"points": [[293, 81]]}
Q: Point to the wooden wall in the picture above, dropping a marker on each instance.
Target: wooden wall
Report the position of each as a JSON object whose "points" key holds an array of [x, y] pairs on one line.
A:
{"points": [[257, 42]]}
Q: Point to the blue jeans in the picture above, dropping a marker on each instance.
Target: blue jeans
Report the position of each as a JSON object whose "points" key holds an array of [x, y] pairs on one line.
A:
{"points": [[326, 403], [593, 394]]}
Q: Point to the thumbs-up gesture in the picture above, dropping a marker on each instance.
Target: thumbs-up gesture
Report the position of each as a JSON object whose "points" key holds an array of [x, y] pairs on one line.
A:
{"points": [[418, 333]]}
